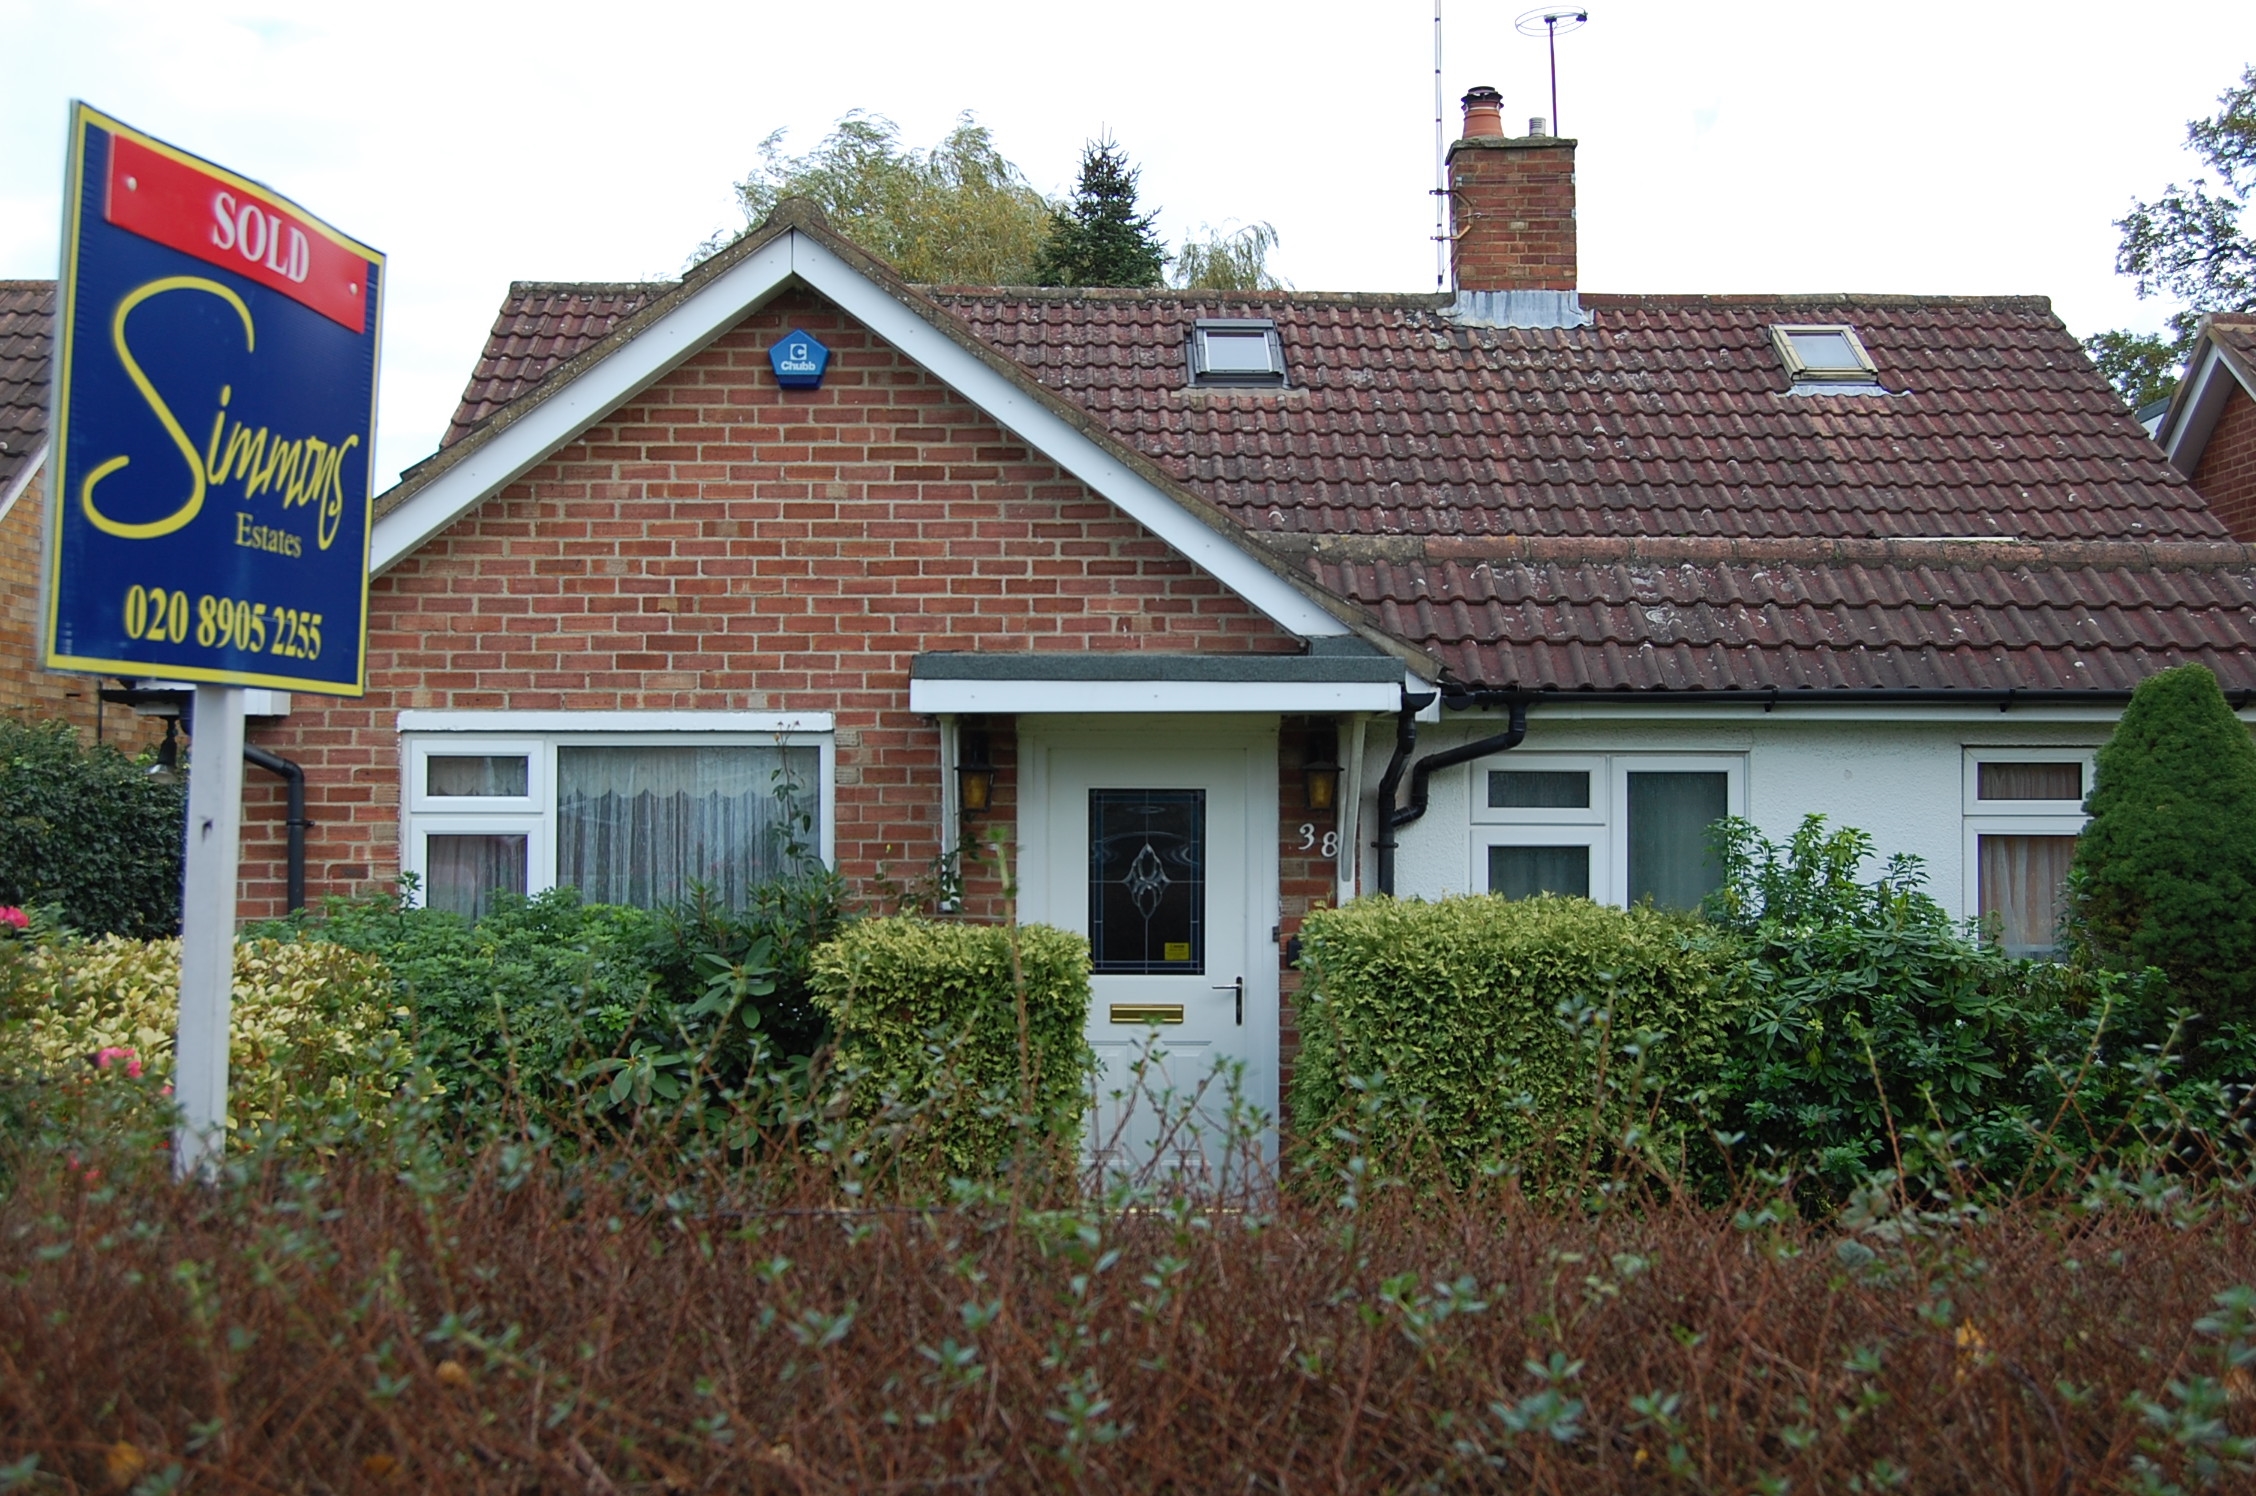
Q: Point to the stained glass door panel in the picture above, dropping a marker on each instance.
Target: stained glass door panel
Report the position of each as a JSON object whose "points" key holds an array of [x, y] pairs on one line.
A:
{"points": [[1147, 882]]}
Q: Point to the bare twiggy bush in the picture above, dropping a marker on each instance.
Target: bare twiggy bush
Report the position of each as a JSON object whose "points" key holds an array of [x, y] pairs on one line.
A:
{"points": [[656, 1314]]}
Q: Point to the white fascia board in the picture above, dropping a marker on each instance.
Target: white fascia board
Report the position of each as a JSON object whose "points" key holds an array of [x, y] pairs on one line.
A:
{"points": [[571, 410], [2211, 383], [763, 723], [1057, 439], [1030, 697], [718, 306], [24, 475]]}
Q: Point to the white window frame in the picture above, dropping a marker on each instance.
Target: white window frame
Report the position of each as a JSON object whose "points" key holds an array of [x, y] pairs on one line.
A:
{"points": [[538, 735], [421, 750], [1782, 337], [1593, 764], [1733, 766], [1546, 834], [1604, 827], [2015, 817]]}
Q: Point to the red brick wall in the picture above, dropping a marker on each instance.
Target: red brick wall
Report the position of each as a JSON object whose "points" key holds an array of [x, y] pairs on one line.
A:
{"points": [[1513, 214], [1307, 876], [724, 544], [2227, 473]]}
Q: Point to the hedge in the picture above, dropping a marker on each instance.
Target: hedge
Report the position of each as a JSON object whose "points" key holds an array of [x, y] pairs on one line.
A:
{"points": [[926, 1017], [313, 1037], [1484, 1017], [88, 830]]}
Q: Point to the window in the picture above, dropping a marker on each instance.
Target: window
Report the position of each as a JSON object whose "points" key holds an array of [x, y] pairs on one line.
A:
{"points": [[1232, 351], [1618, 828], [628, 807], [2024, 808], [1824, 355]]}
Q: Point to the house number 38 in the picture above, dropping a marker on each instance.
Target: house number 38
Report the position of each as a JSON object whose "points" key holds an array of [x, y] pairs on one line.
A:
{"points": [[1308, 839]]}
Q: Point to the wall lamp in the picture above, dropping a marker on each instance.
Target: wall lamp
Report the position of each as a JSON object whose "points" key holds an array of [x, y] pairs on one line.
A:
{"points": [[1320, 776], [975, 773]]}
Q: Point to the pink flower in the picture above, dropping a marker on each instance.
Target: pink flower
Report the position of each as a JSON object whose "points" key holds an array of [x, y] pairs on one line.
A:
{"points": [[11, 915], [108, 1056]]}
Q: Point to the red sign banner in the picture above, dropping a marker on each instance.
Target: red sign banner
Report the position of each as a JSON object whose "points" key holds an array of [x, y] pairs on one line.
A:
{"points": [[236, 227]]}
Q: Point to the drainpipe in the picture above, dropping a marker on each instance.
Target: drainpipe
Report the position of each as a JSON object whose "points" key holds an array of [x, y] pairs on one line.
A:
{"points": [[1405, 740], [1392, 817], [294, 777]]}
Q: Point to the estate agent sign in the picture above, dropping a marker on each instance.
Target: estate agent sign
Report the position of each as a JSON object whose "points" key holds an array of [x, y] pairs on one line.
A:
{"points": [[215, 400]]}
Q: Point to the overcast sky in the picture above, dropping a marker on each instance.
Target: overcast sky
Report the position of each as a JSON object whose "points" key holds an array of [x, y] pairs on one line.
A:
{"points": [[1751, 146]]}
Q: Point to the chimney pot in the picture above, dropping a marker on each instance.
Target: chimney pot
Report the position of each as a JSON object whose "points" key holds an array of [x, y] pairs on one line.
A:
{"points": [[1538, 125], [1484, 113]]}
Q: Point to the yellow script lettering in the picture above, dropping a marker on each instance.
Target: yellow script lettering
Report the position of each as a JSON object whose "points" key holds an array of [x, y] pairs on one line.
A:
{"points": [[195, 460]]}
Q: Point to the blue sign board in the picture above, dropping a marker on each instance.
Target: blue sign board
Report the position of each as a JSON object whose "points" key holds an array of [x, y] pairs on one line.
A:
{"points": [[799, 361], [213, 430]]}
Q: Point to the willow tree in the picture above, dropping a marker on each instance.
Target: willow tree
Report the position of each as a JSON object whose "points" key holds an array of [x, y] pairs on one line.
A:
{"points": [[956, 214]]}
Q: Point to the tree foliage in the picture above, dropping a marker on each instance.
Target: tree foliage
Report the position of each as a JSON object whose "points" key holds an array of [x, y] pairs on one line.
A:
{"points": [[957, 214], [2165, 872], [1229, 260], [86, 829], [1097, 238], [2190, 244]]}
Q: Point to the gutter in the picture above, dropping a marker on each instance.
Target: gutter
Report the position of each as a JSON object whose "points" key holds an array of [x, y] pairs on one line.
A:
{"points": [[1461, 698]]}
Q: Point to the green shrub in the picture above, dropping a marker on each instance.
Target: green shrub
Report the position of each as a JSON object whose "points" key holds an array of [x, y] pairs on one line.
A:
{"points": [[87, 830], [511, 1007], [313, 1036], [982, 1024], [2165, 872], [778, 930], [1865, 1008], [552, 1002], [1482, 1015]]}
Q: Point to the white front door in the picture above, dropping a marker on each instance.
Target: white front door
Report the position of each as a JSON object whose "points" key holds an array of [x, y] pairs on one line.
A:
{"points": [[1158, 841]]}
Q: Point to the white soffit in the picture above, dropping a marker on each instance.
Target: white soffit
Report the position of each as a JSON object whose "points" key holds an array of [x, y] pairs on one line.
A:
{"points": [[2215, 375], [22, 481], [1032, 696], [719, 305]]}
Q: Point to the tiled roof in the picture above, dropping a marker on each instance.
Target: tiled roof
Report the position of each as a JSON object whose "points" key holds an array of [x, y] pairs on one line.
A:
{"points": [[541, 326], [1645, 503], [1670, 416], [2237, 331], [27, 341], [1798, 616]]}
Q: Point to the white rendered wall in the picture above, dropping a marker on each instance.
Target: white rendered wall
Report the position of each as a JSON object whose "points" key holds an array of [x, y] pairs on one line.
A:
{"points": [[1899, 777]]}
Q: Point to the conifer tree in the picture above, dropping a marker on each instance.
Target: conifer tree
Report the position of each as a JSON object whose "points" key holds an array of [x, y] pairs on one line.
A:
{"points": [[1098, 238], [2165, 872]]}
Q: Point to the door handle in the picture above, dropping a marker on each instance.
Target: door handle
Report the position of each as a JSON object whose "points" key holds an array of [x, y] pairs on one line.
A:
{"points": [[1237, 987]]}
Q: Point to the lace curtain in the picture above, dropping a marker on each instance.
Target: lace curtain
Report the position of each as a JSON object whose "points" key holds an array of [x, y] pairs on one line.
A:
{"points": [[640, 825], [2021, 880]]}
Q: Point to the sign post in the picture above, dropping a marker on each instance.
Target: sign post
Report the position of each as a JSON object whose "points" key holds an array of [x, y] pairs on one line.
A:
{"points": [[208, 514]]}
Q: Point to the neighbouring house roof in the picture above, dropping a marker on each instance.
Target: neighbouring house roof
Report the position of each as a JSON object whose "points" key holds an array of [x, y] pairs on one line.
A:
{"points": [[540, 327], [2222, 360], [27, 342], [1644, 504]]}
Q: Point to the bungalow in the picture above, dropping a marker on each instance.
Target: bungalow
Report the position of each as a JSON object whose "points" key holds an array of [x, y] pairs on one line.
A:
{"points": [[1217, 607]]}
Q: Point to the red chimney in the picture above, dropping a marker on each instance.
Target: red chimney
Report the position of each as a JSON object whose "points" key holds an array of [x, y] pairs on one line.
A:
{"points": [[1512, 203]]}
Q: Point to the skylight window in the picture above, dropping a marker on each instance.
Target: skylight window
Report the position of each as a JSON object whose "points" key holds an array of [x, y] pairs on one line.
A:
{"points": [[1236, 351], [1824, 354]]}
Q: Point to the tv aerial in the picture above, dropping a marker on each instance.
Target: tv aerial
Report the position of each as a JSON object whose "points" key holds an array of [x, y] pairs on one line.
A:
{"points": [[1548, 24]]}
